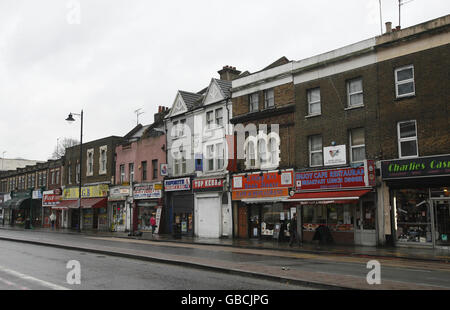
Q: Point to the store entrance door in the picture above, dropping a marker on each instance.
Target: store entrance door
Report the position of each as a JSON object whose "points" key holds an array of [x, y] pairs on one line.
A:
{"points": [[442, 221], [365, 231]]}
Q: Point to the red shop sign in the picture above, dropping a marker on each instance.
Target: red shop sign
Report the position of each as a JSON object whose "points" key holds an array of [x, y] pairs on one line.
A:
{"points": [[207, 184], [334, 178]]}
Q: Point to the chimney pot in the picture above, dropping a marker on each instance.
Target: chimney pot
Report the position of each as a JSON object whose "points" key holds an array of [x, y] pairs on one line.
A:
{"points": [[388, 27]]}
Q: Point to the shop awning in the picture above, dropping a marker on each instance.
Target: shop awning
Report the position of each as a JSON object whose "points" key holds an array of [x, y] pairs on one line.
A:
{"points": [[86, 203], [15, 203], [348, 196]]}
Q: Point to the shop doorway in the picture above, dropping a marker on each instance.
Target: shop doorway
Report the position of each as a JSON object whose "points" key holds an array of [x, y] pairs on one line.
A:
{"points": [[442, 221], [254, 222], [365, 225]]}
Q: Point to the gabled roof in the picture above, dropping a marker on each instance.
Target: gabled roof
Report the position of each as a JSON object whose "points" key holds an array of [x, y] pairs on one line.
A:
{"points": [[190, 99], [281, 61], [225, 87]]}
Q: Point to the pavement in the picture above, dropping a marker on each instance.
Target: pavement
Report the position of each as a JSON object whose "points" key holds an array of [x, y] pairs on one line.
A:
{"points": [[414, 261]]}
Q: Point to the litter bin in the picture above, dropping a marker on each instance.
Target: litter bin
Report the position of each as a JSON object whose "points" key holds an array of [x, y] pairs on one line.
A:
{"points": [[176, 231]]}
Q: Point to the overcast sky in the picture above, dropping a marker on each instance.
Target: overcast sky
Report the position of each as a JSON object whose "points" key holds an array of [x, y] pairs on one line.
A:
{"points": [[111, 57]]}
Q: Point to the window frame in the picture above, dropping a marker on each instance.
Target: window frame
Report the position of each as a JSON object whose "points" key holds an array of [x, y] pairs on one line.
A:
{"points": [[251, 102], [349, 105], [154, 169], [308, 91], [310, 151], [144, 170], [397, 83], [267, 91], [356, 146], [400, 140]]}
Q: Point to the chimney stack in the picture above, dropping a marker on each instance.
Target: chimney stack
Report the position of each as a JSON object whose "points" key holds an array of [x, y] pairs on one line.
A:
{"points": [[388, 27], [160, 115], [228, 73]]}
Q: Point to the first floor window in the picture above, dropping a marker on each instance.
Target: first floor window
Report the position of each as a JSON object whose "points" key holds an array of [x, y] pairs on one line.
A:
{"points": [[122, 174], [357, 145], [131, 171], [251, 158], [210, 159], [144, 170], [315, 151], [268, 98], [254, 102], [219, 156], [155, 168], [407, 139], [273, 149]]}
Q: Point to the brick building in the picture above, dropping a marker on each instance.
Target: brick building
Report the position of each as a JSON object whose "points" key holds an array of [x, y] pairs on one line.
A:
{"points": [[97, 174]]}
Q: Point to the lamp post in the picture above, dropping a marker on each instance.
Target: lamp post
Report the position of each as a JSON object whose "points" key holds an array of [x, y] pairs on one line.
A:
{"points": [[71, 119], [3, 158]]}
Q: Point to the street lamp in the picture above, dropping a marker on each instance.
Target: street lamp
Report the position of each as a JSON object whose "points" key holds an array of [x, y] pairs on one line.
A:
{"points": [[71, 119], [3, 158]]}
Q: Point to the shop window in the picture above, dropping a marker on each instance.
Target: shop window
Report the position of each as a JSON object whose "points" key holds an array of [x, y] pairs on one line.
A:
{"points": [[407, 139], [404, 81], [412, 216]]}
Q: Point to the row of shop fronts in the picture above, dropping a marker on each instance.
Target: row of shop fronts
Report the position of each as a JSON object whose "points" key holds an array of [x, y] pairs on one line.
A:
{"points": [[406, 203]]}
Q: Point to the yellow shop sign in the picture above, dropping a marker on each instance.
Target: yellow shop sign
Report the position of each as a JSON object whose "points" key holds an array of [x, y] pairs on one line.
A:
{"points": [[86, 192]]}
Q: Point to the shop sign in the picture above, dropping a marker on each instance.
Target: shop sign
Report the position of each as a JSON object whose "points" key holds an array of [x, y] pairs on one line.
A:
{"points": [[416, 167], [37, 194], [86, 192], [164, 169], [207, 184], [147, 191], [335, 178], [260, 193], [50, 199], [334, 155], [269, 184], [119, 191], [177, 185]]}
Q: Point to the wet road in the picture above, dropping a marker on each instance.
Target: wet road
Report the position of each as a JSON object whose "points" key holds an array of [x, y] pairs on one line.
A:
{"points": [[426, 273], [33, 267]]}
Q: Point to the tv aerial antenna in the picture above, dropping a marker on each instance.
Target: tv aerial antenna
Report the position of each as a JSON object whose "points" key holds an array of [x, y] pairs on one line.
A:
{"points": [[137, 115], [400, 3]]}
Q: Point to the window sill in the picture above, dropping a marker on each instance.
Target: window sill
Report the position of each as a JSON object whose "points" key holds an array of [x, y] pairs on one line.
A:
{"points": [[410, 96], [354, 107], [313, 115]]}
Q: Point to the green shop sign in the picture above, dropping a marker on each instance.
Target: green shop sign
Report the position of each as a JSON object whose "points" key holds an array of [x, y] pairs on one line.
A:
{"points": [[416, 167]]}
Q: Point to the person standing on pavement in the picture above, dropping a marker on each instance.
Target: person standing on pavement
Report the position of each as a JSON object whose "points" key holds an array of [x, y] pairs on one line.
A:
{"points": [[293, 230], [153, 223], [52, 220]]}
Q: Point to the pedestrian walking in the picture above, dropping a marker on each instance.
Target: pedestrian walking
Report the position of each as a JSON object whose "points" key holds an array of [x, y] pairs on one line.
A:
{"points": [[293, 230], [52, 220], [153, 223]]}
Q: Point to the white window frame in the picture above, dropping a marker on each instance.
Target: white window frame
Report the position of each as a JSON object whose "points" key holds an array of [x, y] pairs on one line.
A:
{"points": [[310, 103], [90, 162], [397, 83], [210, 158], [216, 119], [103, 161], [131, 172], [311, 152], [262, 156], [251, 102], [183, 163], [209, 121], [273, 150], [176, 167], [269, 99], [220, 158], [356, 146], [122, 173], [349, 95], [250, 154], [400, 140]]}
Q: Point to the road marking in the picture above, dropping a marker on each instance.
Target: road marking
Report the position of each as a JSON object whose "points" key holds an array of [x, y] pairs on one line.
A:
{"points": [[13, 284], [32, 279]]}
